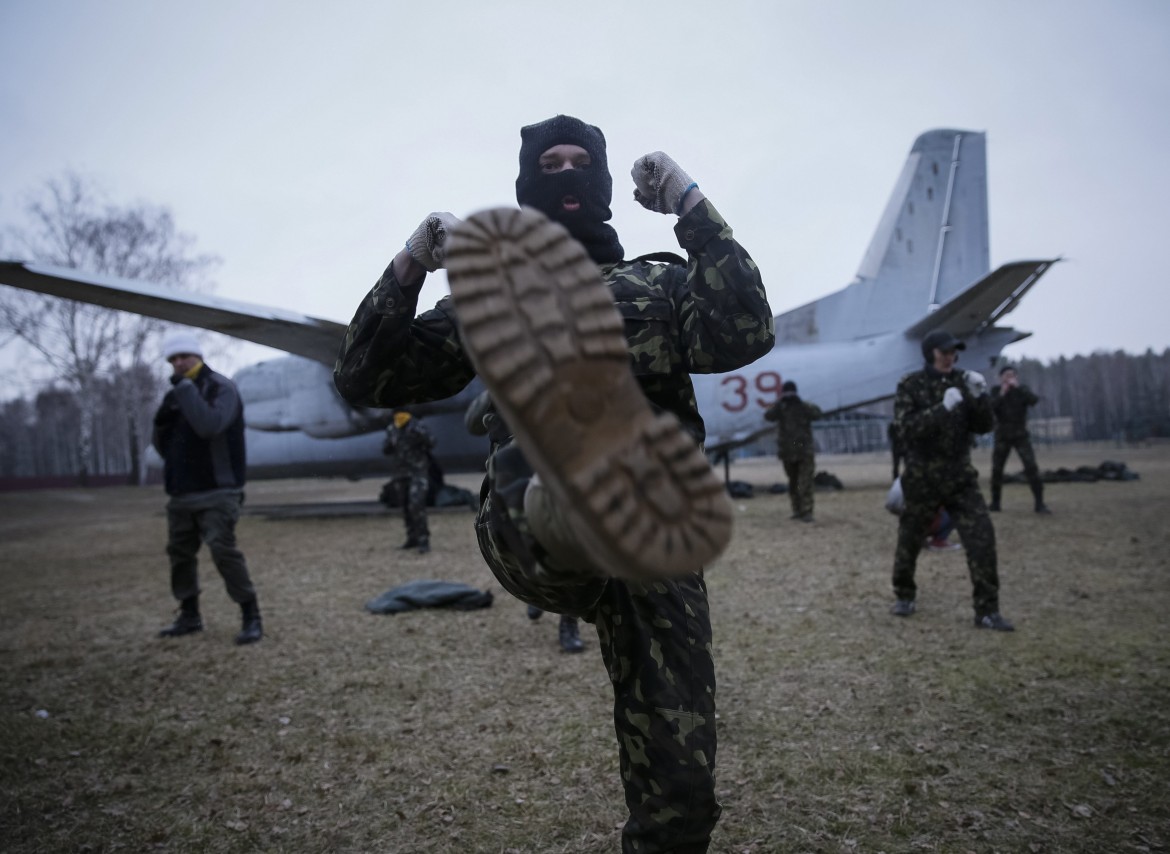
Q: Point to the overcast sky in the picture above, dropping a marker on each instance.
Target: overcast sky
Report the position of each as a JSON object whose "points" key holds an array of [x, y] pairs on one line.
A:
{"points": [[303, 141]]}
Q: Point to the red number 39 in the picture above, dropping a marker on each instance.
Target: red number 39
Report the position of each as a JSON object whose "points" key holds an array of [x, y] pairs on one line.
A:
{"points": [[766, 383]]}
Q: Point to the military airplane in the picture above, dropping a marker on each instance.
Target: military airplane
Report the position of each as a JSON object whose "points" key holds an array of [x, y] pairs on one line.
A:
{"points": [[927, 267]]}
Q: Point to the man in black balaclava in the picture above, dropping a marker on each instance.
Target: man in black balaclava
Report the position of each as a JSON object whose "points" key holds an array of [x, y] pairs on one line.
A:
{"points": [[598, 501], [577, 197]]}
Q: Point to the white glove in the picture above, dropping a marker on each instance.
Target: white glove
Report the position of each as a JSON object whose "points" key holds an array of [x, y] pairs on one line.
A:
{"points": [[952, 398], [976, 382], [659, 183], [427, 244]]}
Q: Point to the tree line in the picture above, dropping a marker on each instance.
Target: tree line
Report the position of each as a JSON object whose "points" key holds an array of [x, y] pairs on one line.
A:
{"points": [[94, 417]]}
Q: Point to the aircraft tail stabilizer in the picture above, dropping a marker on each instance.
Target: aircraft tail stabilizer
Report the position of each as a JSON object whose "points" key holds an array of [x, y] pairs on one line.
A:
{"points": [[985, 302]]}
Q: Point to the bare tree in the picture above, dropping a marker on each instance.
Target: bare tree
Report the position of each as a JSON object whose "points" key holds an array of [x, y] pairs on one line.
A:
{"points": [[71, 225]]}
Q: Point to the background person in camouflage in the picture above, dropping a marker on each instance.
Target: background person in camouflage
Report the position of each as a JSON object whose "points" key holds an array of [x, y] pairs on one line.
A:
{"points": [[408, 445], [1010, 402], [937, 410], [794, 439], [708, 313]]}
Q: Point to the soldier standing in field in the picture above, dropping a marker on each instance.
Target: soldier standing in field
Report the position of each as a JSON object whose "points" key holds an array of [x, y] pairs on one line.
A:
{"points": [[199, 433], [1010, 402], [408, 444], [794, 418], [602, 504], [936, 411]]}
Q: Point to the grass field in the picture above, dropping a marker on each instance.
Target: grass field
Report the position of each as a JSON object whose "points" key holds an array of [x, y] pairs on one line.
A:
{"points": [[842, 729]]}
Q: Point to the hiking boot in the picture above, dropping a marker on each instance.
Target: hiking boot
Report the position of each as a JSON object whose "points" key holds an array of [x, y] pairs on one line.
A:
{"points": [[423, 546], [569, 636], [541, 329], [252, 630], [409, 544], [805, 517], [184, 624], [994, 620], [902, 607], [1042, 509], [188, 622], [534, 613]]}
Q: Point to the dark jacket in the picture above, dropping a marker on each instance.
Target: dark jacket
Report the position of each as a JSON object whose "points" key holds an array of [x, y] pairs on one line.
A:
{"points": [[794, 418], [937, 441], [199, 432], [1011, 411], [409, 449]]}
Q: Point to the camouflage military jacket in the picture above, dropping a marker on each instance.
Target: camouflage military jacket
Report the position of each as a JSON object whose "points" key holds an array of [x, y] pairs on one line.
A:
{"points": [[707, 316], [408, 448], [935, 439], [794, 420], [1011, 411]]}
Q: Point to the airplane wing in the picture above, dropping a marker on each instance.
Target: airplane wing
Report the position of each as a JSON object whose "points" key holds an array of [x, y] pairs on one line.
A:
{"points": [[984, 302], [300, 334]]}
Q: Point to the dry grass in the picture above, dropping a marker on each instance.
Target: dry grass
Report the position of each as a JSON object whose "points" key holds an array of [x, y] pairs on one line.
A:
{"points": [[841, 728]]}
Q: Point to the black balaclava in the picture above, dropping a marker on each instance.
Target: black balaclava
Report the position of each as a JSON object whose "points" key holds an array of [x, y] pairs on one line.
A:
{"points": [[592, 186]]}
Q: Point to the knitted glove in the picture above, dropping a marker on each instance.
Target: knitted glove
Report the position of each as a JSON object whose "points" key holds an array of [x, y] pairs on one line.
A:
{"points": [[427, 244], [952, 398], [659, 183], [976, 382]]}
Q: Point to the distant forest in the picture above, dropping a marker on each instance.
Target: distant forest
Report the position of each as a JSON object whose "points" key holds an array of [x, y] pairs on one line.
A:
{"points": [[1105, 396]]}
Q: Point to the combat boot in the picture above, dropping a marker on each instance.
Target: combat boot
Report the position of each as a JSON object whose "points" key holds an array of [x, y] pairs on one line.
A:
{"points": [[252, 629], [902, 607], [995, 621], [423, 545], [569, 636], [541, 329], [1038, 494], [188, 622]]}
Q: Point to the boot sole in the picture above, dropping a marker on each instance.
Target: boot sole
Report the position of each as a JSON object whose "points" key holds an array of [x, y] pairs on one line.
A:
{"points": [[541, 329]]}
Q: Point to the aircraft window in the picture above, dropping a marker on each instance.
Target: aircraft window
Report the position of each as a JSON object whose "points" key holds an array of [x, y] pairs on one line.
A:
{"points": [[909, 245], [934, 168], [911, 210], [929, 193]]}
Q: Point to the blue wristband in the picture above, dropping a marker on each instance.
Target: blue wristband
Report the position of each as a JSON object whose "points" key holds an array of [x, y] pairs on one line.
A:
{"points": [[692, 186]]}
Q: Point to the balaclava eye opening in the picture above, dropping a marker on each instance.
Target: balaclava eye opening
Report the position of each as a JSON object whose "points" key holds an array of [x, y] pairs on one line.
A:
{"points": [[591, 186]]}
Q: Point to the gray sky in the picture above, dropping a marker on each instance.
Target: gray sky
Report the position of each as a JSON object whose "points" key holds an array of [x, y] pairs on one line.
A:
{"points": [[303, 141]]}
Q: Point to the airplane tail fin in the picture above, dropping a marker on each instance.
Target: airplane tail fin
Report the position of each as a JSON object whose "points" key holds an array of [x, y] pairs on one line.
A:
{"points": [[930, 245]]}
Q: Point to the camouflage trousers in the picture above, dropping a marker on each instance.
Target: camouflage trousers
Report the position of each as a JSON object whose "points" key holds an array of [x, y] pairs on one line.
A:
{"points": [[800, 471], [999, 455], [206, 517], [960, 497], [412, 495], [655, 640]]}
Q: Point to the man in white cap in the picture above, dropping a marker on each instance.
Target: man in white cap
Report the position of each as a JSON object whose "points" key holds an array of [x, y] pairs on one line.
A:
{"points": [[199, 432]]}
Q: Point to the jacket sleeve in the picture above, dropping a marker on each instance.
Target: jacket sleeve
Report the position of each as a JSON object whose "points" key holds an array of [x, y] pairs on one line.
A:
{"points": [[815, 413], [915, 417], [164, 421], [211, 411], [724, 317], [980, 418], [391, 358]]}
